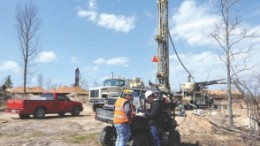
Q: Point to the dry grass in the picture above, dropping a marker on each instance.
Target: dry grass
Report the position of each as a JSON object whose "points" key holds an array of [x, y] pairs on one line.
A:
{"points": [[82, 138]]}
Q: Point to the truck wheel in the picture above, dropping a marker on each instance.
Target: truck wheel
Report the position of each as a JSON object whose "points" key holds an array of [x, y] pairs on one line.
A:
{"points": [[210, 103], [106, 136], [139, 140], [39, 113], [24, 116], [75, 111], [94, 107], [61, 114], [174, 138]]}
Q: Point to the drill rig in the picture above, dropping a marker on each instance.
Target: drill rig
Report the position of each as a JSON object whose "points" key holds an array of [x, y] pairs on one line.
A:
{"points": [[191, 92], [162, 37]]}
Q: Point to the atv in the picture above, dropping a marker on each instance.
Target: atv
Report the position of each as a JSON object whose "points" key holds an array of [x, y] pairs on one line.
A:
{"points": [[139, 128]]}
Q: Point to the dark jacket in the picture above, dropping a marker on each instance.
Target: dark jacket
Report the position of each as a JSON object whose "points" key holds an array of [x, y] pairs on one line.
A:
{"points": [[155, 113]]}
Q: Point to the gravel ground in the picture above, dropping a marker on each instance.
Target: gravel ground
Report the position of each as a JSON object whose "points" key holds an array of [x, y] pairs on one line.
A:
{"points": [[84, 130]]}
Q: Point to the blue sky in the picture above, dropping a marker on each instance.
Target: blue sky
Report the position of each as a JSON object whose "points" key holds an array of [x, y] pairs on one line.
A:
{"points": [[101, 37]]}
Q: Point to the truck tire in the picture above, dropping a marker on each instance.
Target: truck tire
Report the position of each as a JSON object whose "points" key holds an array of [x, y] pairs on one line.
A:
{"points": [[61, 114], [94, 107], [24, 116], [39, 113], [210, 103], [174, 138], [75, 111], [139, 140], [106, 136]]}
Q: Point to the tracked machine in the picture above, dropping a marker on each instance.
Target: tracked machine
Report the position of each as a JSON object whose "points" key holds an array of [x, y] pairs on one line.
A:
{"points": [[140, 136]]}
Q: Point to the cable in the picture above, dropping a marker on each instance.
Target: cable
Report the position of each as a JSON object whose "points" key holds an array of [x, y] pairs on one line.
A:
{"points": [[179, 57]]}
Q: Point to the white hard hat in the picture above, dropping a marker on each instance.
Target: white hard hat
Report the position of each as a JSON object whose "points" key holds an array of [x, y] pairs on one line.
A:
{"points": [[148, 93]]}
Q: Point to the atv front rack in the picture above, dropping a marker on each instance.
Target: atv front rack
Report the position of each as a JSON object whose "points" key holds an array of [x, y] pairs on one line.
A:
{"points": [[104, 115]]}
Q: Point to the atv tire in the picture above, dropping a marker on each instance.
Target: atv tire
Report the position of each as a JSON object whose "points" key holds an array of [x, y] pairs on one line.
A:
{"points": [[106, 136], [139, 140], [174, 138]]}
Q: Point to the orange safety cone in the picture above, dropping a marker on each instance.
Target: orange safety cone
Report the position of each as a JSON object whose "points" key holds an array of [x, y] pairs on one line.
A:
{"points": [[155, 59]]}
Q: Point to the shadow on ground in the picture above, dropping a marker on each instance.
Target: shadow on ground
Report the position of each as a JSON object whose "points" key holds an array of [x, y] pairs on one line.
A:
{"points": [[189, 144], [51, 117]]}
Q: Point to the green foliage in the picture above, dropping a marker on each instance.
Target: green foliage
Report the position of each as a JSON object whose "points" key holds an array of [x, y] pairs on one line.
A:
{"points": [[8, 82]]}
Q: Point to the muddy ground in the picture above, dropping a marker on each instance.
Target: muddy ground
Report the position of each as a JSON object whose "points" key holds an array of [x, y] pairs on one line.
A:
{"points": [[84, 129]]}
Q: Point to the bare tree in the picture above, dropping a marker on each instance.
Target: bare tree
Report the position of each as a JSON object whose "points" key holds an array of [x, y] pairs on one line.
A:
{"points": [[83, 84], [228, 33], [27, 27], [40, 80], [252, 103], [95, 84], [49, 83]]}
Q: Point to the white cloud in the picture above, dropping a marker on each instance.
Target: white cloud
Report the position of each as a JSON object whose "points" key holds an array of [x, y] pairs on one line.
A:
{"points": [[92, 4], [47, 56], [118, 61], [116, 22], [203, 66], [119, 23], [113, 61], [193, 23], [10, 65], [90, 13], [100, 61]]}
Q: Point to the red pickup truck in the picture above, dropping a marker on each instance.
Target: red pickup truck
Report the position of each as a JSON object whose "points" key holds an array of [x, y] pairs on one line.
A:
{"points": [[46, 103]]}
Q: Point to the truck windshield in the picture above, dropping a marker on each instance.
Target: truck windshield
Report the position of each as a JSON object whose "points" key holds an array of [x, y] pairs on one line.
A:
{"points": [[114, 82]]}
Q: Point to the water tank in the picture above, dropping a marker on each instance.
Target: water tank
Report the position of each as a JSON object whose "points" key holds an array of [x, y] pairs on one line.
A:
{"points": [[189, 87]]}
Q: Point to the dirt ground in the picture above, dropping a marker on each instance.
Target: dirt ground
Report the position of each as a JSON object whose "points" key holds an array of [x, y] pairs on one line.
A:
{"points": [[84, 129]]}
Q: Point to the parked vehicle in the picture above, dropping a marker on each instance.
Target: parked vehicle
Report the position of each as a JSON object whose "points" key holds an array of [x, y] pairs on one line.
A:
{"points": [[112, 87], [47, 103]]}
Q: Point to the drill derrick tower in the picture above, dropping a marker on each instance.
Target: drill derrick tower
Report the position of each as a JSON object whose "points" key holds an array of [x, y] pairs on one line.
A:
{"points": [[163, 46], [77, 77]]}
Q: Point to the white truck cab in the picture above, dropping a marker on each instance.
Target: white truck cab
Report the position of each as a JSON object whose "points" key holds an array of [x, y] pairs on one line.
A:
{"points": [[111, 87]]}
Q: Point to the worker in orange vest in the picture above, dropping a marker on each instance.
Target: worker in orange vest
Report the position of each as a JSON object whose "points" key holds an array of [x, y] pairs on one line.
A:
{"points": [[123, 115]]}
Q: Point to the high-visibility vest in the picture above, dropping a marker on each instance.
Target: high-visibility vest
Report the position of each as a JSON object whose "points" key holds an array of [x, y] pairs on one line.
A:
{"points": [[120, 115]]}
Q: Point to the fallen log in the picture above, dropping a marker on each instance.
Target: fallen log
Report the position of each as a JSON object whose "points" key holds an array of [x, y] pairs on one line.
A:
{"points": [[243, 134]]}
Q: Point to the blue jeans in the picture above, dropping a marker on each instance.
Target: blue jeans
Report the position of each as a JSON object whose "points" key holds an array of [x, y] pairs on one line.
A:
{"points": [[123, 133], [155, 135]]}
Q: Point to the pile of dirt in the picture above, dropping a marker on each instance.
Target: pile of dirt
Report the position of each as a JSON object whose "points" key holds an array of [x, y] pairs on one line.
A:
{"points": [[212, 128]]}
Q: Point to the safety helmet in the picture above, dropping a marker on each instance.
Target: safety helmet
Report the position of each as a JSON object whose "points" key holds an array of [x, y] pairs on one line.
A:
{"points": [[127, 92], [148, 93]]}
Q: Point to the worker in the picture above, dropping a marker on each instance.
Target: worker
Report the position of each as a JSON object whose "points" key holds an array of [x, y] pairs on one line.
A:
{"points": [[181, 108], [154, 115], [123, 114]]}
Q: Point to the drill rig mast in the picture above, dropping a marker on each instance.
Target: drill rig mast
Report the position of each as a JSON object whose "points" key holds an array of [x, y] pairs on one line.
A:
{"points": [[162, 75]]}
